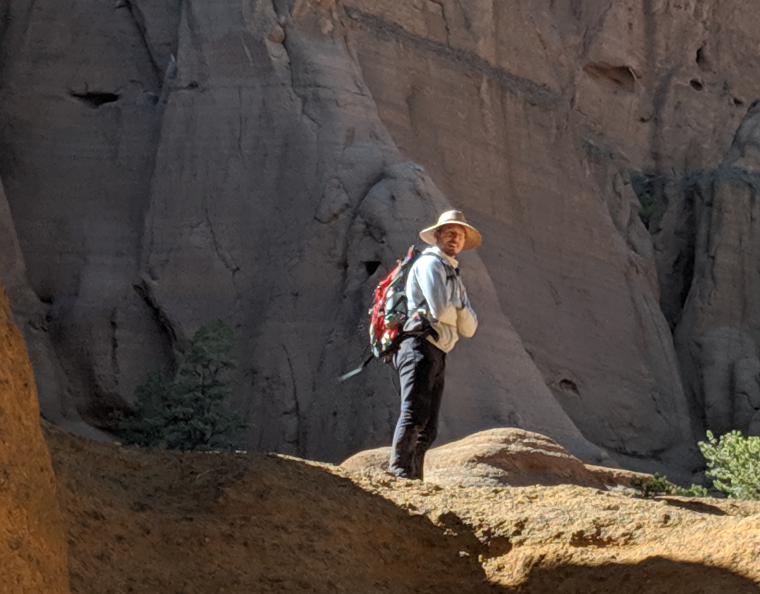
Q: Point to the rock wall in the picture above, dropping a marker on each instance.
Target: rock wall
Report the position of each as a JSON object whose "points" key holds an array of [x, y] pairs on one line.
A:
{"points": [[33, 316], [719, 328], [569, 280], [560, 124], [185, 162], [33, 555]]}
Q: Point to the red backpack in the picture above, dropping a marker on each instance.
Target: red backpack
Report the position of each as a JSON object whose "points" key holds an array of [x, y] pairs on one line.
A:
{"points": [[388, 313]]}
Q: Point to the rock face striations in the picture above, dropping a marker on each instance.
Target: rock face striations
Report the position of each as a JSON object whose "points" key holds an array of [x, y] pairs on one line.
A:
{"points": [[265, 163], [719, 328], [561, 123]]}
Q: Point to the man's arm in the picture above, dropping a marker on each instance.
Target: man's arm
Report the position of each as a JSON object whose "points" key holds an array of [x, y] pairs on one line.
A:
{"points": [[467, 321]]}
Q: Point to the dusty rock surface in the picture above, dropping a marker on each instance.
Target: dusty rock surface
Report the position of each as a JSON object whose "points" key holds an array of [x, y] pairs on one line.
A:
{"points": [[33, 555], [575, 539], [148, 521], [501, 457], [144, 521]]}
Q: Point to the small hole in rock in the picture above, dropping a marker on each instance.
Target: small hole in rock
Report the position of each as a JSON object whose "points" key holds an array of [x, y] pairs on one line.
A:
{"points": [[617, 77], [701, 60], [95, 100], [568, 385], [696, 84], [371, 266]]}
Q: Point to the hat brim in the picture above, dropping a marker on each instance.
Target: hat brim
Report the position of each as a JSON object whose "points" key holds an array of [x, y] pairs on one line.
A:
{"points": [[472, 237]]}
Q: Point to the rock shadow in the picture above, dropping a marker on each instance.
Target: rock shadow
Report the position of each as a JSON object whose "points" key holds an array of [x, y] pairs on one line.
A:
{"points": [[143, 520], [694, 505], [656, 575]]}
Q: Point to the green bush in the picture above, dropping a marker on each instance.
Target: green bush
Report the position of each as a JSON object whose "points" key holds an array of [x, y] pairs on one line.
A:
{"points": [[733, 464], [660, 485], [186, 411]]}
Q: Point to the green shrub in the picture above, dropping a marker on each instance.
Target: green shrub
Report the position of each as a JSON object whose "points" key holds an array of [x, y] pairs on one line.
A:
{"points": [[691, 491], [660, 485], [733, 464], [186, 411]]}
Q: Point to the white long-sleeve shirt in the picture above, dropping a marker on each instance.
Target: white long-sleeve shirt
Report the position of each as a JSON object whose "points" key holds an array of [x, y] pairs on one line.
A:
{"points": [[435, 287]]}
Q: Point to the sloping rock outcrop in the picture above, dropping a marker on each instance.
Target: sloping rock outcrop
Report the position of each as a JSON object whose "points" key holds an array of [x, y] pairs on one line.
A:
{"points": [[501, 457], [157, 521], [33, 550], [575, 539]]}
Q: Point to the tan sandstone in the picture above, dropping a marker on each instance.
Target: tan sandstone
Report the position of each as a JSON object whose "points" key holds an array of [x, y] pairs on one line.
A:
{"points": [[154, 521], [501, 457], [33, 551]]}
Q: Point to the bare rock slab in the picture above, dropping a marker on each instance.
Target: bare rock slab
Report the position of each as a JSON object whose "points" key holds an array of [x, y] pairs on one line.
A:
{"points": [[501, 457]]}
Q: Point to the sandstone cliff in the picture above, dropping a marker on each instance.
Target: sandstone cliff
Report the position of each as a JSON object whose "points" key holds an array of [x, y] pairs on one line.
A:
{"points": [[33, 552], [169, 163]]}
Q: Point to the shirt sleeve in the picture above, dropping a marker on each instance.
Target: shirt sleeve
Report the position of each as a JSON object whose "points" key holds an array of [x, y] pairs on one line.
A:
{"points": [[431, 277], [467, 320]]}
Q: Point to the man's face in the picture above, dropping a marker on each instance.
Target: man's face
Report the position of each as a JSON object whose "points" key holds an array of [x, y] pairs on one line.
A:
{"points": [[451, 239]]}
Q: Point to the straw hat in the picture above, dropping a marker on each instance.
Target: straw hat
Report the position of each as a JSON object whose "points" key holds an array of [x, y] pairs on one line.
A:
{"points": [[473, 238]]}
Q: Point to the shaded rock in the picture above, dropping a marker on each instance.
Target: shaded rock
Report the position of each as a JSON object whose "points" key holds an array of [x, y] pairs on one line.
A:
{"points": [[719, 327], [571, 262], [33, 551], [304, 188], [76, 156], [157, 23], [188, 161], [266, 182], [55, 401]]}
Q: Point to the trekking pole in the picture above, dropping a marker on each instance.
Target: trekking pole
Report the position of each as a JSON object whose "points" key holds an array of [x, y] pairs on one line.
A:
{"points": [[356, 371]]}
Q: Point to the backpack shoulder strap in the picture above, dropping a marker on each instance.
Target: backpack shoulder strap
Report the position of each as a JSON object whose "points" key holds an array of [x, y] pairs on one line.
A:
{"points": [[451, 272]]}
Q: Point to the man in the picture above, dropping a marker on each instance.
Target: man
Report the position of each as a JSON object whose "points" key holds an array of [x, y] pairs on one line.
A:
{"points": [[434, 292]]}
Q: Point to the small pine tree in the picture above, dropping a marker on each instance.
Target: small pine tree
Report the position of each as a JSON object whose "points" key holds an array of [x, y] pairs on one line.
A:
{"points": [[733, 464], [186, 412]]}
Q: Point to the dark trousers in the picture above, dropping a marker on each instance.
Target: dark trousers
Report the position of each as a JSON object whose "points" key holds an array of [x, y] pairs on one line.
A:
{"points": [[420, 367]]}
